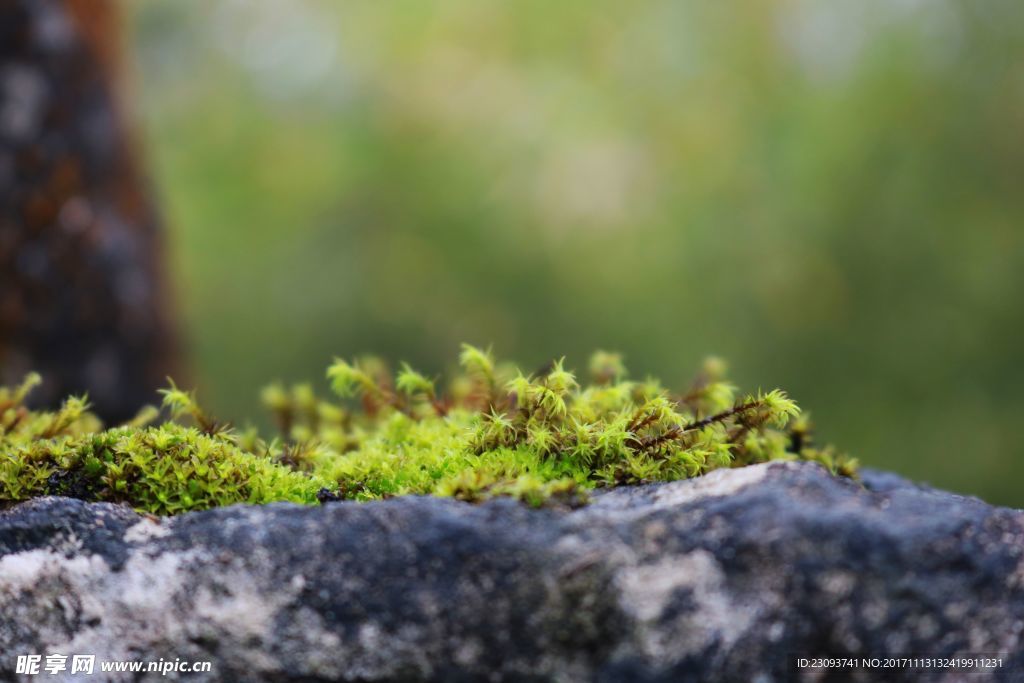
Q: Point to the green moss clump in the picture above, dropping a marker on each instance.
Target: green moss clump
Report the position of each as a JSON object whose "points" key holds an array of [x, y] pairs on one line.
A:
{"points": [[541, 438], [164, 469]]}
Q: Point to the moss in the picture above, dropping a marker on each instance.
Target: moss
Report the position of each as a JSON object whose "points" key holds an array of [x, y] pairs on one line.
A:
{"points": [[541, 438]]}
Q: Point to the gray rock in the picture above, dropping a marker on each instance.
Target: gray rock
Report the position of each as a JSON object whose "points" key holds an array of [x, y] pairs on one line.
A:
{"points": [[727, 577]]}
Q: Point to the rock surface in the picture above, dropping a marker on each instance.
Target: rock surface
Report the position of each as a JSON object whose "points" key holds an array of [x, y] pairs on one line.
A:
{"points": [[725, 578]]}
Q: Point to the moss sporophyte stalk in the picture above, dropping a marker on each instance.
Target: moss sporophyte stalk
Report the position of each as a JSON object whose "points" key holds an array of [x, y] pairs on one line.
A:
{"points": [[543, 438]]}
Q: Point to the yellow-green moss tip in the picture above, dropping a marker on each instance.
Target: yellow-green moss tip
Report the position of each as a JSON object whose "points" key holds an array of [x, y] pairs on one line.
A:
{"points": [[541, 438]]}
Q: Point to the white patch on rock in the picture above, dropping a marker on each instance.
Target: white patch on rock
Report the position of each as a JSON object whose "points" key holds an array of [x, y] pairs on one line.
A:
{"points": [[149, 590], [718, 483], [242, 612], [21, 571], [145, 530], [724, 482], [647, 591], [106, 613]]}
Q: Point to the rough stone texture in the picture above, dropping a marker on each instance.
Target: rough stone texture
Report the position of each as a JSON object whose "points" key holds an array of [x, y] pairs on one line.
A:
{"points": [[719, 578]]}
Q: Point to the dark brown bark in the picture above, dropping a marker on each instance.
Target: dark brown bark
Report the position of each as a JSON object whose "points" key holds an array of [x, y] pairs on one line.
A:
{"points": [[83, 299]]}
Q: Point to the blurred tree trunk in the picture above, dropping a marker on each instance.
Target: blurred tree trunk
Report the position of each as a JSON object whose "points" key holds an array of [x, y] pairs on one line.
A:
{"points": [[83, 298]]}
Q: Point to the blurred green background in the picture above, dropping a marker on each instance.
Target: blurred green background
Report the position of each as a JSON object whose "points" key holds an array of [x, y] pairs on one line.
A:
{"points": [[829, 195]]}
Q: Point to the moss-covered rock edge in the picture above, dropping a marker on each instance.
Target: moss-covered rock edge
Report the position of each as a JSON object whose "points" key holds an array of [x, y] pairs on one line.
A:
{"points": [[543, 438]]}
